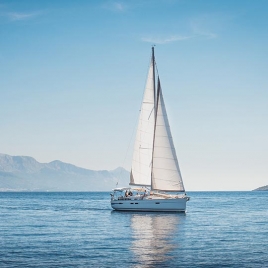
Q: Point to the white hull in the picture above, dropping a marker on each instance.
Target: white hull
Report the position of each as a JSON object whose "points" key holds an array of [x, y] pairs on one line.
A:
{"points": [[174, 204]]}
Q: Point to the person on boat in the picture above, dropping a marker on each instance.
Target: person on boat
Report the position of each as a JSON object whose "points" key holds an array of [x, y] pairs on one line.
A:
{"points": [[145, 193], [130, 193], [126, 194]]}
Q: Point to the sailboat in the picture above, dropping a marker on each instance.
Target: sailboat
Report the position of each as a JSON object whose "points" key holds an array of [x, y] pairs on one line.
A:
{"points": [[155, 174]]}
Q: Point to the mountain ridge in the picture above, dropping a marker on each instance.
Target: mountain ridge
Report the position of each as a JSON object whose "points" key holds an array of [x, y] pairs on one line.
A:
{"points": [[24, 173], [262, 188]]}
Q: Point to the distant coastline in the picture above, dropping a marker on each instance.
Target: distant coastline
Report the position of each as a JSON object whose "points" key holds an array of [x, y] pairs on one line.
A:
{"points": [[25, 174], [263, 188]]}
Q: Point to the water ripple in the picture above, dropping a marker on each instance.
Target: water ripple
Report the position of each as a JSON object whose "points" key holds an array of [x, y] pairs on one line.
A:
{"points": [[220, 229]]}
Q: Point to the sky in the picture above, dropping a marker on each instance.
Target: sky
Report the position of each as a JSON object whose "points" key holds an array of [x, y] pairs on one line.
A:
{"points": [[72, 76]]}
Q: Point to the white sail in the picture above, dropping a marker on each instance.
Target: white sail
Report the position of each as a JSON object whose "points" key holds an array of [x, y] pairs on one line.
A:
{"points": [[166, 174], [142, 156]]}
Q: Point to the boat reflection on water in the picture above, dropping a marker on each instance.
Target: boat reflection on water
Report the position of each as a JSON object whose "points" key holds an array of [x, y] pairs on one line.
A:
{"points": [[153, 237]]}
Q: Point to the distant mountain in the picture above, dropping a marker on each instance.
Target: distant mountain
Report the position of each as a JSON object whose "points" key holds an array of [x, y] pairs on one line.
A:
{"points": [[24, 173], [263, 188]]}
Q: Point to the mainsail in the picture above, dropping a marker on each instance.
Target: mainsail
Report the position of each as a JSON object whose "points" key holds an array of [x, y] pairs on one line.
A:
{"points": [[142, 156]]}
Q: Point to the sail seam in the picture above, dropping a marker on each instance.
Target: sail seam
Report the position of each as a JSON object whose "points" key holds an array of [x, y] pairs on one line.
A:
{"points": [[160, 157]]}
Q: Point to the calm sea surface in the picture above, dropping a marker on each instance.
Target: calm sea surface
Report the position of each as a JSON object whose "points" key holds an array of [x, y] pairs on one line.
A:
{"points": [[220, 229]]}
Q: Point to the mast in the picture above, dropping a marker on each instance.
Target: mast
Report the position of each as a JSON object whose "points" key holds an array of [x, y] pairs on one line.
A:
{"points": [[156, 97], [153, 60]]}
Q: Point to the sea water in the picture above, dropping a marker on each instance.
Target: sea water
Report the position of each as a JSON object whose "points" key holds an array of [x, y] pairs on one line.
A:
{"points": [[219, 229]]}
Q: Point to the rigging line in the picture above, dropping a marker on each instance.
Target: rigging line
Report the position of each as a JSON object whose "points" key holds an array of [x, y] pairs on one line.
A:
{"points": [[134, 128], [156, 69]]}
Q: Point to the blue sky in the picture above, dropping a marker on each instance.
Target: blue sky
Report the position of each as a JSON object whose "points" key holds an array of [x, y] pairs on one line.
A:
{"points": [[72, 75]]}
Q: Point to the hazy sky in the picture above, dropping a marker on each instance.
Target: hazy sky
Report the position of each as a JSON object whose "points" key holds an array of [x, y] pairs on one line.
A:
{"points": [[72, 75]]}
